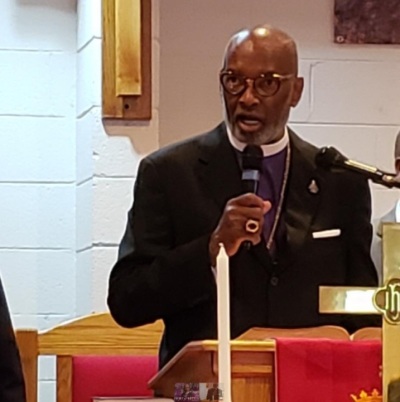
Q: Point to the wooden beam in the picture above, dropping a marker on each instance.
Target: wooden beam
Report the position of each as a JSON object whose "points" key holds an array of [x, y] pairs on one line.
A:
{"points": [[126, 60], [128, 52]]}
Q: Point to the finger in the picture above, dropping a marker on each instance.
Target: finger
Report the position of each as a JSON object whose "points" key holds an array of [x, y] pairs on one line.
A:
{"points": [[252, 226], [245, 213], [256, 240], [232, 246], [236, 217], [248, 200], [267, 207]]}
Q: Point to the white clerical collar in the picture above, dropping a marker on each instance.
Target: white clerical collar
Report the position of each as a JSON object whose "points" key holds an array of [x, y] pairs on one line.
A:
{"points": [[268, 149]]}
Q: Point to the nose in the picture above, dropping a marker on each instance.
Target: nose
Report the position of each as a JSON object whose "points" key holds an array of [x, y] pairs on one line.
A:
{"points": [[249, 97]]}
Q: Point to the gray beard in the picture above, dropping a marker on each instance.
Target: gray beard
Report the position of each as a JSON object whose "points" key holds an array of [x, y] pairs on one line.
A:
{"points": [[258, 138], [261, 138]]}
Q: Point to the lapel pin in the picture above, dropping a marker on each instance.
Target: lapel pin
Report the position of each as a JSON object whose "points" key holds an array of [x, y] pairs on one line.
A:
{"points": [[313, 187]]}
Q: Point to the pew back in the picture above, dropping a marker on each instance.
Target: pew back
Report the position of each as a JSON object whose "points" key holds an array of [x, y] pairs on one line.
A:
{"points": [[94, 335]]}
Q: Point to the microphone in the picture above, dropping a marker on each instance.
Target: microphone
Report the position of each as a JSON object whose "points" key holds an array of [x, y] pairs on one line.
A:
{"points": [[251, 170], [328, 157]]}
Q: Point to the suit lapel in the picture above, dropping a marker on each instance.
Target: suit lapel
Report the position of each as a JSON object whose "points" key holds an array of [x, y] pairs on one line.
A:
{"points": [[220, 175], [302, 194], [218, 168]]}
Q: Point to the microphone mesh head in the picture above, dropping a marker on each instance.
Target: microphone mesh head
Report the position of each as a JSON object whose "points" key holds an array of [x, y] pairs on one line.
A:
{"points": [[328, 157], [252, 157]]}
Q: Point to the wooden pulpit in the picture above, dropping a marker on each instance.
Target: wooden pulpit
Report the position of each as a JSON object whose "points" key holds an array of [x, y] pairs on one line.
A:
{"points": [[252, 362], [253, 369]]}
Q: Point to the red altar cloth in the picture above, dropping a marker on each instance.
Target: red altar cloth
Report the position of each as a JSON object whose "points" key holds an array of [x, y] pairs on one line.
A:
{"points": [[323, 370]]}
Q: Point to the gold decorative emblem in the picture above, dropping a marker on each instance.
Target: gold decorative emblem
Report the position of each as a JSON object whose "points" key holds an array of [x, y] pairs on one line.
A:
{"points": [[387, 301], [364, 397]]}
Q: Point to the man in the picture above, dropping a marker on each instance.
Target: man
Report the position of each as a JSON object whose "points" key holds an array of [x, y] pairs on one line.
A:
{"points": [[214, 393], [12, 388], [392, 216], [188, 200]]}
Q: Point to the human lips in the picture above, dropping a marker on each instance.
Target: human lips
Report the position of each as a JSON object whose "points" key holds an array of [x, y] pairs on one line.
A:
{"points": [[249, 122]]}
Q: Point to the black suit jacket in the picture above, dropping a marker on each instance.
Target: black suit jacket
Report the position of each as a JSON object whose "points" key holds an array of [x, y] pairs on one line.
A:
{"points": [[12, 388], [214, 394], [163, 270]]}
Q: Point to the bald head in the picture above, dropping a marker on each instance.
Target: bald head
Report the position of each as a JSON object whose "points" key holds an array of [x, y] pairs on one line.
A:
{"points": [[259, 84], [273, 41]]}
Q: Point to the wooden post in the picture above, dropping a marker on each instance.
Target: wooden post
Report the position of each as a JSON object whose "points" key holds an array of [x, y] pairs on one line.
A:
{"points": [[27, 341]]}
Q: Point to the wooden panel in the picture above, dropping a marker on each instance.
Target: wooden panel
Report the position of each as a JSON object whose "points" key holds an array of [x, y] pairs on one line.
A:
{"points": [[118, 106], [251, 363], [99, 334], [197, 362], [254, 389], [128, 47], [64, 379], [28, 350], [194, 365]]}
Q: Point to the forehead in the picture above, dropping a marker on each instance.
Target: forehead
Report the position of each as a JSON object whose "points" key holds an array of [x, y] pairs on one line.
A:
{"points": [[250, 58]]}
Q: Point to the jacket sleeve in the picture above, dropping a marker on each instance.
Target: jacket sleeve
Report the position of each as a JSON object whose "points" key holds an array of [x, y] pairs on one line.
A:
{"points": [[154, 278], [12, 387]]}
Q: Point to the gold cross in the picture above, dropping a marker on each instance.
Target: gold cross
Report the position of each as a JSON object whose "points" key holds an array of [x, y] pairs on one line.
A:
{"points": [[384, 300]]}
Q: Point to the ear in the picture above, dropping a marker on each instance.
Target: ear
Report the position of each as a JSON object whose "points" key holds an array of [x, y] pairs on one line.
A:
{"points": [[397, 165], [297, 91]]}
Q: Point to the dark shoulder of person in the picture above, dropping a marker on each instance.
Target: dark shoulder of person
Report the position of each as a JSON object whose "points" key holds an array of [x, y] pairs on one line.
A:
{"points": [[183, 151], [12, 387]]}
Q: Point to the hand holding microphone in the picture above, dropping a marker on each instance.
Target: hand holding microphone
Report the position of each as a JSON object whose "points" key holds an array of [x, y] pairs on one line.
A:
{"points": [[241, 221], [243, 217], [251, 170]]}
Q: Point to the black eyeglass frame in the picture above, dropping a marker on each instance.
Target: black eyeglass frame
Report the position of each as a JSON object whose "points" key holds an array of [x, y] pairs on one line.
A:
{"points": [[278, 77]]}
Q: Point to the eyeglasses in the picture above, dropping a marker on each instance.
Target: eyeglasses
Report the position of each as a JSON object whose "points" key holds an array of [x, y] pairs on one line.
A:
{"points": [[265, 85]]}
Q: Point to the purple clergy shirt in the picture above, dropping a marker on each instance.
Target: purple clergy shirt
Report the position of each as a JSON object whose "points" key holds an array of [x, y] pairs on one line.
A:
{"points": [[270, 187]]}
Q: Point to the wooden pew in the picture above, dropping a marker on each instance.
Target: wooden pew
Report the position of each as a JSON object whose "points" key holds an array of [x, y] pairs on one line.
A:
{"points": [[92, 335]]}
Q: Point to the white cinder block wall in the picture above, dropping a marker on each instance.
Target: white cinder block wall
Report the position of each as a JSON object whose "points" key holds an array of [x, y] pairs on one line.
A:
{"points": [[352, 93], [37, 164], [66, 186], [111, 167], [37, 154]]}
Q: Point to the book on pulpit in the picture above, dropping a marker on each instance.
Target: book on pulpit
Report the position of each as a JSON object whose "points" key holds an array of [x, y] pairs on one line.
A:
{"points": [[325, 331]]}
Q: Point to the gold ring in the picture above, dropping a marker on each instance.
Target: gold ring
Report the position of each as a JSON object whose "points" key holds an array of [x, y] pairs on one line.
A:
{"points": [[252, 226]]}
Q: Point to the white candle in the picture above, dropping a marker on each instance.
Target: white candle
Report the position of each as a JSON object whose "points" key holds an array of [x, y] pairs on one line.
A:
{"points": [[224, 324]]}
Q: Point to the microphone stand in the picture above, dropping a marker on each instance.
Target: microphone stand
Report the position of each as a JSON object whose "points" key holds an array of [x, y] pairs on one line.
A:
{"points": [[387, 180]]}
